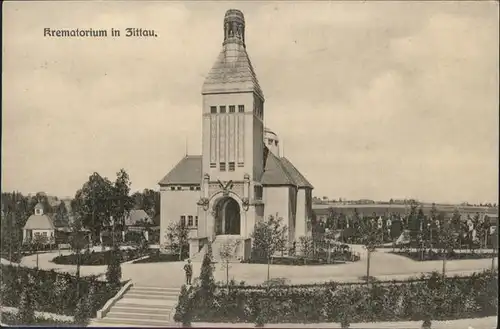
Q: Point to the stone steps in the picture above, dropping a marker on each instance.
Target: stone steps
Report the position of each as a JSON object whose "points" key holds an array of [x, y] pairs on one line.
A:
{"points": [[142, 306]]}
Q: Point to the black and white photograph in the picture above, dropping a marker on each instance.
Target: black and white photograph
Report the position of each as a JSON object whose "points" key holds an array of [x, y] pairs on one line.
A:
{"points": [[227, 164]]}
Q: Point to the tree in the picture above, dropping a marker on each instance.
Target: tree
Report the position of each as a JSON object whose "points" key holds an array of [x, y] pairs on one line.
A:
{"points": [[207, 281], [114, 270], [178, 237], [120, 201], [26, 312], [37, 243], [78, 241], [370, 239], [91, 204], [268, 238], [306, 247], [148, 200], [226, 253], [447, 241]]}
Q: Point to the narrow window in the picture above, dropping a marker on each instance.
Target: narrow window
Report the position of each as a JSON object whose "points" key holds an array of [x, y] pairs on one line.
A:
{"points": [[183, 220], [190, 221], [270, 141], [241, 164], [198, 188], [222, 166], [172, 188], [213, 109], [213, 165], [191, 188], [222, 109], [232, 108], [276, 143], [196, 221], [241, 108], [179, 188], [231, 166]]}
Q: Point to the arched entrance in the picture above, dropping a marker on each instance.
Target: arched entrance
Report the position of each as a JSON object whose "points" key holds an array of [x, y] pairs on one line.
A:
{"points": [[227, 217]]}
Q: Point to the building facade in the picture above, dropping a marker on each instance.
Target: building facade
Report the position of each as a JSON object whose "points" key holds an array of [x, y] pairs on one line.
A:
{"points": [[240, 178]]}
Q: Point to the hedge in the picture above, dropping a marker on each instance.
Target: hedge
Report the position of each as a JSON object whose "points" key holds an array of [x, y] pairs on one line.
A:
{"points": [[12, 319], [432, 255], [53, 292], [99, 258], [416, 300]]}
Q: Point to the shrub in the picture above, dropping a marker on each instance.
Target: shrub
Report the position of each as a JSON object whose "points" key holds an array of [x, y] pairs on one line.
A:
{"points": [[51, 291], [114, 270], [26, 314], [423, 299]]}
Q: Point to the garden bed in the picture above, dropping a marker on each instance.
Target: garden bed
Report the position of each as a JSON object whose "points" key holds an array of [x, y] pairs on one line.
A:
{"points": [[51, 291], [100, 258], [430, 298], [300, 261], [11, 319], [416, 255], [157, 257]]}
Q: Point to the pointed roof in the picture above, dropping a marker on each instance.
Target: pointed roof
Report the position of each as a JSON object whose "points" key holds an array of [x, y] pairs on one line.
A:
{"points": [[186, 172], [295, 173], [232, 72], [275, 172], [39, 205]]}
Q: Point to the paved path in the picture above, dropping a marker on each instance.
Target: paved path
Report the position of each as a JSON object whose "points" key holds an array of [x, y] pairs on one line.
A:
{"points": [[384, 266]]}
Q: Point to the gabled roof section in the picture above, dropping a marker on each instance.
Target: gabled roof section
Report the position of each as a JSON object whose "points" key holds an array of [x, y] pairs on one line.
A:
{"points": [[232, 72], [295, 173], [275, 173], [137, 216], [186, 172], [39, 222]]}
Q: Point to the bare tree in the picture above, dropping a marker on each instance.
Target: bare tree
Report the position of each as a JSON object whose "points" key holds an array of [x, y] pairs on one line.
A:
{"points": [[226, 252], [177, 235]]}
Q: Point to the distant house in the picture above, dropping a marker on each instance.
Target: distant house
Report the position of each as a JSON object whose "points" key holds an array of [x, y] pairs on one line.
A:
{"points": [[39, 224]]}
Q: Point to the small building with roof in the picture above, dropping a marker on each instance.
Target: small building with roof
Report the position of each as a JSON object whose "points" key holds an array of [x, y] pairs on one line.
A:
{"points": [[240, 178], [39, 224]]}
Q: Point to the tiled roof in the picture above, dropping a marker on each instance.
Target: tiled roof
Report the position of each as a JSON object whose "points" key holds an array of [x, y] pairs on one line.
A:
{"points": [[136, 216], [300, 180], [275, 172], [187, 171], [39, 222], [232, 71]]}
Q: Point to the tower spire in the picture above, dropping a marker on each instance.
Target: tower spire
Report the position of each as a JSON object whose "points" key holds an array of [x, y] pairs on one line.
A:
{"points": [[234, 27]]}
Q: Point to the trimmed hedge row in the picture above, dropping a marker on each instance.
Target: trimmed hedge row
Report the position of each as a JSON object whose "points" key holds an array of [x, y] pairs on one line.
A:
{"points": [[100, 258], [432, 255], [53, 292], [434, 298]]}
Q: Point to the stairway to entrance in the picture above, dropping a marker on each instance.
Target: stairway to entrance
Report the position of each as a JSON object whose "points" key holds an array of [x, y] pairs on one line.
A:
{"points": [[142, 306], [233, 243]]}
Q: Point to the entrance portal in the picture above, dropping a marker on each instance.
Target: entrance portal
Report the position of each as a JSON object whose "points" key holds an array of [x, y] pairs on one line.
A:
{"points": [[227, 217]]}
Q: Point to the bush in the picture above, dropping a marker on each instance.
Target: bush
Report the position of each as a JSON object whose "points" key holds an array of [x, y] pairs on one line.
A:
{"points": [[433, 255], [51, 291], [114, 270], [100, 258], [12, 319], [427, 298], [26, 313]]}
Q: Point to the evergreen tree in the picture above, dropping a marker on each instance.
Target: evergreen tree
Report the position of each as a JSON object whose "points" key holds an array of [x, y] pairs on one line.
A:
{"points": [[207, 281], [114, 270], [26, 313]]}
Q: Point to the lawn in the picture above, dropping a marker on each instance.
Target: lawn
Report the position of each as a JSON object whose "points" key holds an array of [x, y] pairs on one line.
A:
{"points": [[416, 255], [93, 258]]}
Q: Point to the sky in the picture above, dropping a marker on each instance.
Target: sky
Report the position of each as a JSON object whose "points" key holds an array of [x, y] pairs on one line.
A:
{"points": [[373, 100]]}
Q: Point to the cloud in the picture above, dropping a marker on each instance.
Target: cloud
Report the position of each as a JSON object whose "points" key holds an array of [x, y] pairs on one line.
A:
{"points": [[385, 99]]}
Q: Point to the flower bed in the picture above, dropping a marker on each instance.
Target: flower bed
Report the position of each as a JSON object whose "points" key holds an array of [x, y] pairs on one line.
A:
{"points": [[53, 292], [157, 257], [431, 255], [432, 298], [99, 258], [335, 258], [12, 319]]}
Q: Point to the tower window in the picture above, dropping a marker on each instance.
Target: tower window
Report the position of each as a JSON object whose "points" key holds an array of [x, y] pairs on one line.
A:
{"points": [[213, 109], [190, 221], [276, 143], [196, 221], [213, 165], [241, 164], [222, 166], [222, 109], [231, 166], [270, 141], [258, 192], [241, 108], [232, 108]]}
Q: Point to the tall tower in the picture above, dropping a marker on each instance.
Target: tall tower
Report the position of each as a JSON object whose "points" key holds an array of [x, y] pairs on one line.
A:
{"points": [[233, 113]]}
